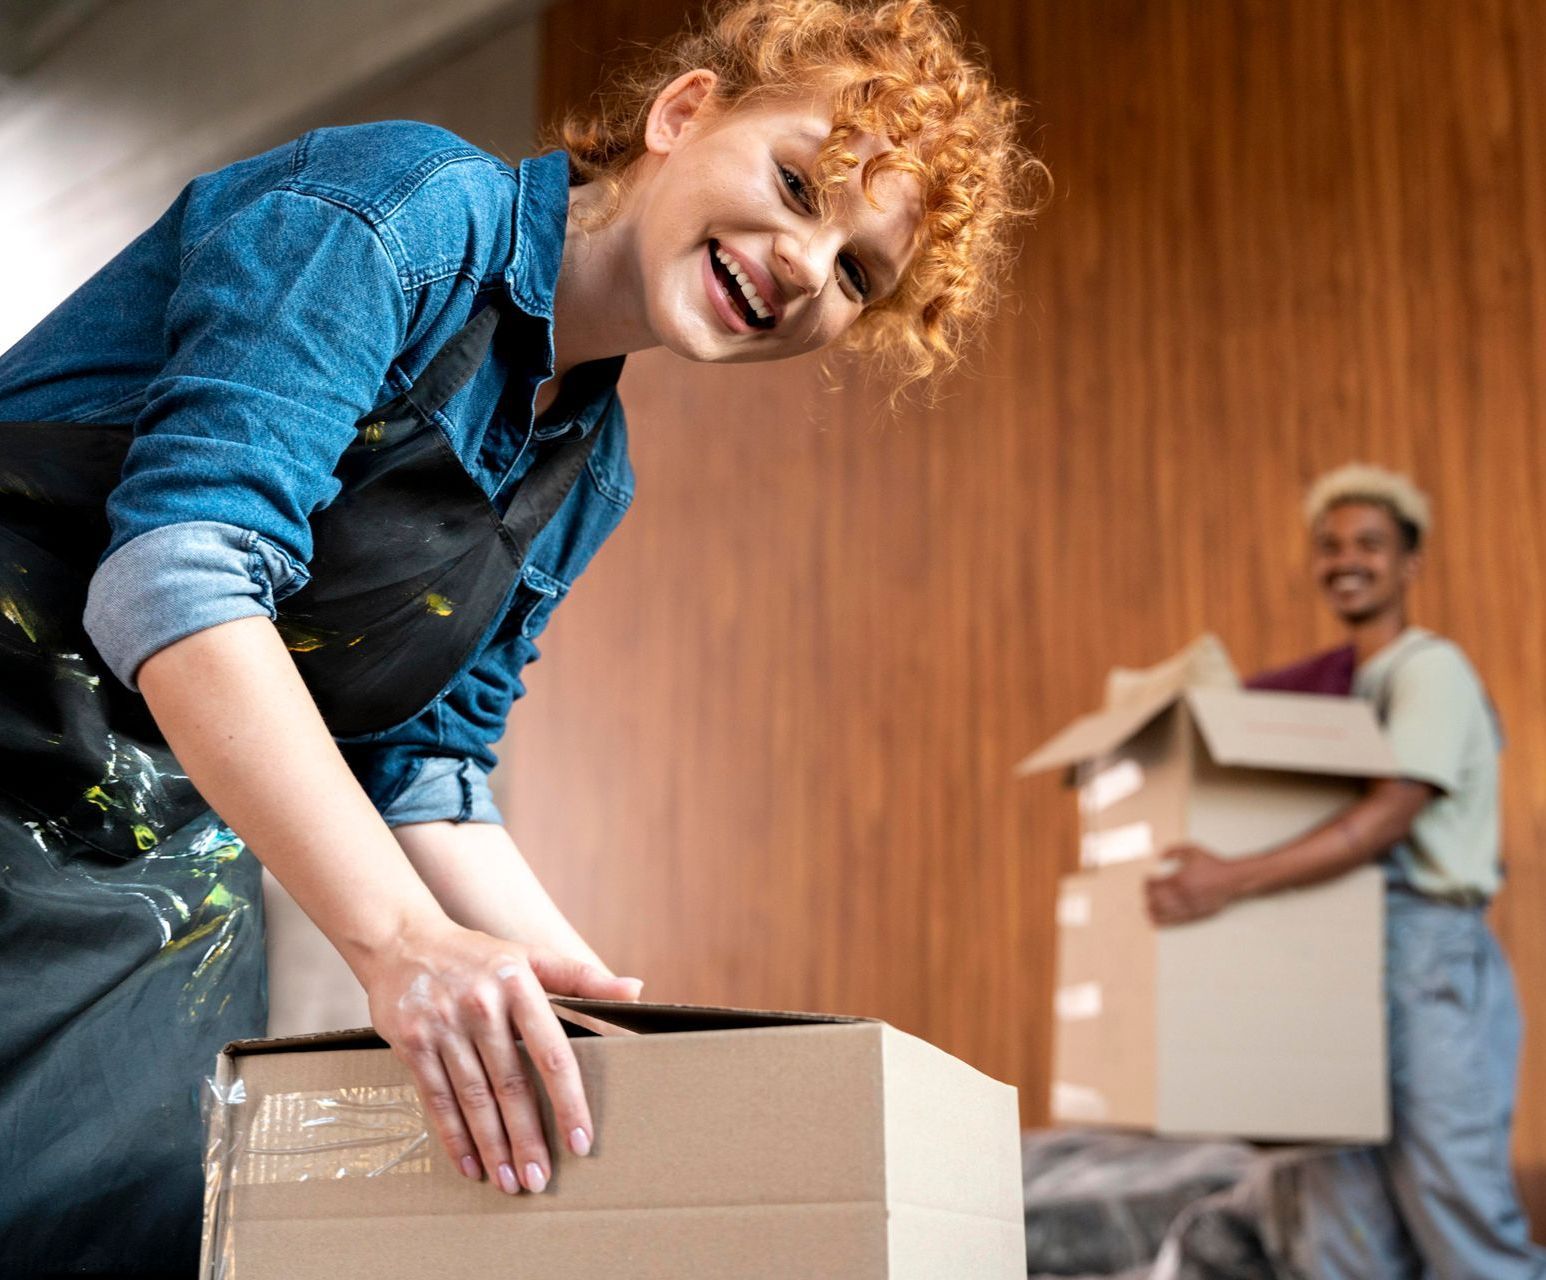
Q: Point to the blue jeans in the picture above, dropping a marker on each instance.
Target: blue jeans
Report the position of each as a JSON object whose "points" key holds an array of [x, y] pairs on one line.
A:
{"points": [[1438, 1200]]}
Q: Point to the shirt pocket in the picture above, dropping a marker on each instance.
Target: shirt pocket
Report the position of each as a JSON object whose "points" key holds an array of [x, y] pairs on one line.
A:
{"points": [[538, 595]]}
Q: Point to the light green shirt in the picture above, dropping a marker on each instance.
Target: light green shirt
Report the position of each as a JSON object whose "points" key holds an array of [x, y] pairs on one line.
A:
{"points": [[1441, 727]]}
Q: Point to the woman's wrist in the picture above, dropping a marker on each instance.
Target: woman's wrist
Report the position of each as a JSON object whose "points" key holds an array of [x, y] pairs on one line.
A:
{"points": [[390, 933]]}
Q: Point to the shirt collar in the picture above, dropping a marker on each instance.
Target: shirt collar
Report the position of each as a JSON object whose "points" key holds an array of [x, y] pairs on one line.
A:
{"points": [[541, 219]]}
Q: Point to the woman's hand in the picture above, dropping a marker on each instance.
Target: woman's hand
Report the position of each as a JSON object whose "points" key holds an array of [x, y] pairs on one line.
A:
{"points": [[452, 1003]]}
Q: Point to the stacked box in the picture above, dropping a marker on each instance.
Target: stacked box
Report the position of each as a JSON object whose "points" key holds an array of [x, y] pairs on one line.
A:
{"points": [[1265, 1021]]}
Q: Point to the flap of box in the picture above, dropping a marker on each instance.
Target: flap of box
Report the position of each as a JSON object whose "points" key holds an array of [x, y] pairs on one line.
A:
{"points": [[642, 1018], [1095, 735], [655, 1019], [1133, 699], [1297, 732], [312, 1042]]}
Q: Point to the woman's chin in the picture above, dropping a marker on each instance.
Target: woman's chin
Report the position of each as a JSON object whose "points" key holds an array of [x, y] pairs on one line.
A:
{"points": [[703, 339]]}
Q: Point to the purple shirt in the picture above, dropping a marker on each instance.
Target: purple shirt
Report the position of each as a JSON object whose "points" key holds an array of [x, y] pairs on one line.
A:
{"points": [[1330, 673]]}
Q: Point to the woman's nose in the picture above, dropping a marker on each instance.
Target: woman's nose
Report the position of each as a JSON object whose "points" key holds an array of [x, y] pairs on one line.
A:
{"points": [[800, 264]]}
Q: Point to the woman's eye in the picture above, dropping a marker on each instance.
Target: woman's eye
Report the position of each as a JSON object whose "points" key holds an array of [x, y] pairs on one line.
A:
{"points": [[796, 185], [851, 268]]}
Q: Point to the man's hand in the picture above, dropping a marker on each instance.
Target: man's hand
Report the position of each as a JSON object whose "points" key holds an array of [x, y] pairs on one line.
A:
{"points": [[1202, 885]]}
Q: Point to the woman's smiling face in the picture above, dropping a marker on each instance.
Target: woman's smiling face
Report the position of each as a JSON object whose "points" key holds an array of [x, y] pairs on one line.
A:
{"points": [[736, 262]]}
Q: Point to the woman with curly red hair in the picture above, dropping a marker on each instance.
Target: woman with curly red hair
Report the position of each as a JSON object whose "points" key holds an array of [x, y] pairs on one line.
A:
{"points": [[293, 485]]}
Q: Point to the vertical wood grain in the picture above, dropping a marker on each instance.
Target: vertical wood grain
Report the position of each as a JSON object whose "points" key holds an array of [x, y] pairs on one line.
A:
{"points": [[768, 758]]}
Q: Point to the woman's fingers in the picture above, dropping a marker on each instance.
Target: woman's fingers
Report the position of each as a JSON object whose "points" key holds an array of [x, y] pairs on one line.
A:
{"points": [[552, 1055], [441, 1105], [515, 1095], [475, 1095], [566, 976]]}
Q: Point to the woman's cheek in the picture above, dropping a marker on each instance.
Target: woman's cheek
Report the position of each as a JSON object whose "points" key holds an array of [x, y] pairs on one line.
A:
{"points": [[839, 317]]}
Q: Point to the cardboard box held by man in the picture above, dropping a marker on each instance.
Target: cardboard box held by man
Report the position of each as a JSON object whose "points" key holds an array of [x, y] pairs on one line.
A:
{"points": [[1266, 1021]]}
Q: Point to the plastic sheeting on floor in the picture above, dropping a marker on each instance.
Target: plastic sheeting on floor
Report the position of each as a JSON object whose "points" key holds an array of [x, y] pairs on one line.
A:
{"points": [[1125, 1205]]}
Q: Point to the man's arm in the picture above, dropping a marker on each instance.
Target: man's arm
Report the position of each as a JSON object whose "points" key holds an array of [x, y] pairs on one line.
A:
{"points": [[1203, 884]]}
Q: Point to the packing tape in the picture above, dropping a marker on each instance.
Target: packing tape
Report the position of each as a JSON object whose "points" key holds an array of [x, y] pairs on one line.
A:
{"points": [[221, 1101], [1078, 1002], [1110, 786], [1120, 844], [362, 1131]]}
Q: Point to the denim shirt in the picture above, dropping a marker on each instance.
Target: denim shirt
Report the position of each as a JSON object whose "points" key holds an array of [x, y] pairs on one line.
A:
{"points": [[273, 305]]}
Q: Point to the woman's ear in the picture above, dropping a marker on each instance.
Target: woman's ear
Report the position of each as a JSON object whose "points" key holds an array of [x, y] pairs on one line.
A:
{"points": [[677, 108]]}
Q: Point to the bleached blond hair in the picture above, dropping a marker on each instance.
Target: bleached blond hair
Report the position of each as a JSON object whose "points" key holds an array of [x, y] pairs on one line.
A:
{"points": [[1363, 482]]}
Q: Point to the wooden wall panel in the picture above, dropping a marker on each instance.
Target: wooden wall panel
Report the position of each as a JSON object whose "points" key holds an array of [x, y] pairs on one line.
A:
{"points": [[768, 759]]}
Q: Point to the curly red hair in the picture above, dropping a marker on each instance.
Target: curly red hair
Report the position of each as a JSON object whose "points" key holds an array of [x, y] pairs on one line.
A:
{"points": [[895, 69]]}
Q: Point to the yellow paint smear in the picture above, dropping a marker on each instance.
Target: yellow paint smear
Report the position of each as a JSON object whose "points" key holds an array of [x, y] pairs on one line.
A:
{"points": [[144, 836], [15, 613], [374, 431], [188, 939], [439, 605], [100, 798]]}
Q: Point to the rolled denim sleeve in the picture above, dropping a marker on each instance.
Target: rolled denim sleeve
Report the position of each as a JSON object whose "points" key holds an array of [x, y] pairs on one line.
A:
{"points": [[192, 576], [444, 790], [280, 332]]}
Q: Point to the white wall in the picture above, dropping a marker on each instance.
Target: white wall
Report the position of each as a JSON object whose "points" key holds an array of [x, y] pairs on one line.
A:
{"points": [[98, 138]]}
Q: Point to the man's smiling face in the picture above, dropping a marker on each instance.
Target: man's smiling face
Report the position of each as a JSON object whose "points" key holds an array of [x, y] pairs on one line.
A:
{"points": [[1361, 561], [737, 262]]}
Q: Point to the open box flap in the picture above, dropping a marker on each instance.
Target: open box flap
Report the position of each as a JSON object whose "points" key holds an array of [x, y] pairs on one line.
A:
{"points": [[1095, 735], [641, 1018], [1134, 697], [648, 1019], [312, 1042], [1295, 732]]}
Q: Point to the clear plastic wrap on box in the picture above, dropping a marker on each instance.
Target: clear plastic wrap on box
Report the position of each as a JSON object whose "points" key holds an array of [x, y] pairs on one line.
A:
{"points": [[359, 1131]]}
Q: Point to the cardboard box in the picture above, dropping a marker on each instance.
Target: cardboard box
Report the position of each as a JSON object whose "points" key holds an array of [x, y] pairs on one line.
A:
{"points": [[730, 1143], [1268, 1020]]}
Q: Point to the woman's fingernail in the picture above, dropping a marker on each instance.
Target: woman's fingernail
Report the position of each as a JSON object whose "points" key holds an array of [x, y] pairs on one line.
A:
{"points": [[470, 1168], [536, 1180], [579, 1142], [507, 1182]]}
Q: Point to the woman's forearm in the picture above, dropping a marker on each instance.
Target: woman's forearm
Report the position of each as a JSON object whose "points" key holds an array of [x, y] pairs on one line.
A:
{"points": [[450, 1000], [241, 722], [482, 881]]}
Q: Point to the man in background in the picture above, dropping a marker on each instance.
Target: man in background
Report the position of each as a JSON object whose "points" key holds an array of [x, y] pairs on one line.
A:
{"points": [[1439, 1198]]}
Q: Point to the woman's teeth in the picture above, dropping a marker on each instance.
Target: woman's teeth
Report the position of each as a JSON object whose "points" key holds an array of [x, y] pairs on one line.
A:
{"points": [[748, 289]]}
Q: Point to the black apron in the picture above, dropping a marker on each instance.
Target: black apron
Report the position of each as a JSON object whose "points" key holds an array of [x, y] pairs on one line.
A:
{"points": [[131, 939]]}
